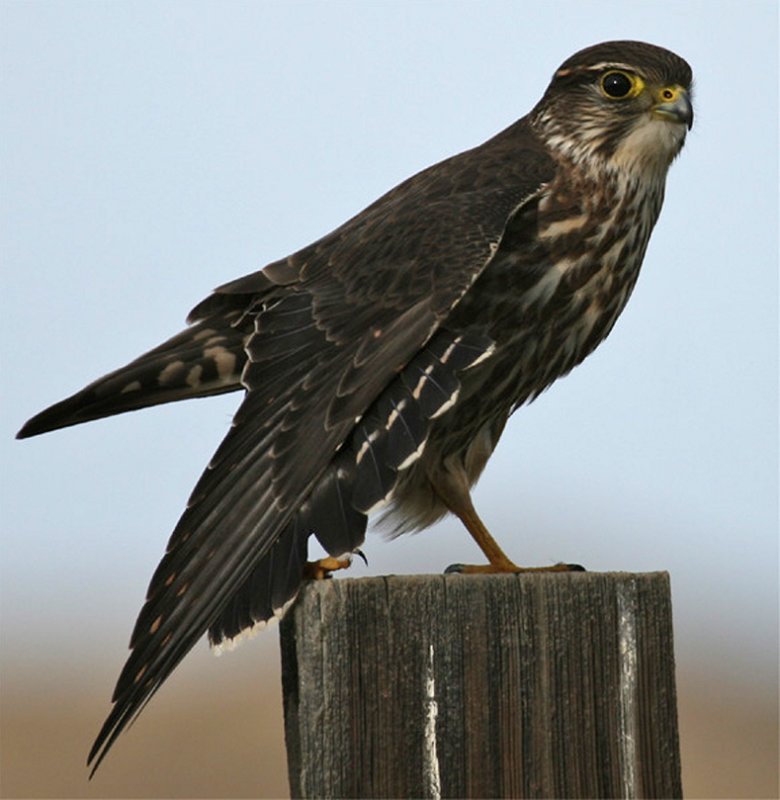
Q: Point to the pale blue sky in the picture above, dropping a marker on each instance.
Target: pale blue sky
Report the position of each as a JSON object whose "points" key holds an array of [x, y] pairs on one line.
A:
{"points": [[153, 151]]}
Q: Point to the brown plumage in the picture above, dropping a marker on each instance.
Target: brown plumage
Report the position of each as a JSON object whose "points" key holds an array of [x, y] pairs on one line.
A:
{"points": [[381, 363]]}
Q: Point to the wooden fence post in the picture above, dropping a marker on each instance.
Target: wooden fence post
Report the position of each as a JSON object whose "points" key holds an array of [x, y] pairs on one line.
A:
{"points": [[533, 685]]}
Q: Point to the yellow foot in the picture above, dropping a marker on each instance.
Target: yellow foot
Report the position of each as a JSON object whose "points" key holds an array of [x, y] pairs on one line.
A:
{"points": [[321, 569], [508, 566]]}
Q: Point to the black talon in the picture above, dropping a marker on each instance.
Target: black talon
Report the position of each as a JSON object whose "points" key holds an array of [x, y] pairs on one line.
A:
{"points": [[360, 553], [454, 569]]}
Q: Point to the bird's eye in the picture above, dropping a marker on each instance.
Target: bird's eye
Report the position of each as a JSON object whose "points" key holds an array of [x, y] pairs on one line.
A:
{"points": [[617, 84]]}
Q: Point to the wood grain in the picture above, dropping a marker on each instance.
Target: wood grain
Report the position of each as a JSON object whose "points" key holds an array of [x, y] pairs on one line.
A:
{"points": [[535, 685]]}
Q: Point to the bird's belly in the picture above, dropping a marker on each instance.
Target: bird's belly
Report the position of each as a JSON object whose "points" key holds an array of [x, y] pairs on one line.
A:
{"points": [[547, 303], [540, 334]]}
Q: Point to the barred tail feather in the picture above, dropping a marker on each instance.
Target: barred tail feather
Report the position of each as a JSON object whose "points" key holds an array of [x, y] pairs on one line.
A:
{"points": [[205, 359]]}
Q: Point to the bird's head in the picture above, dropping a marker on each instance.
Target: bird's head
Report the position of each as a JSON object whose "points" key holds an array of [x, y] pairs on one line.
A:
{"points": [[625, 105]]}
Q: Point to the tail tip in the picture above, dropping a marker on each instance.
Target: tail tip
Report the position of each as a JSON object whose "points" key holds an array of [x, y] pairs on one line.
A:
{"points": [[33, 427], [25, 432]]}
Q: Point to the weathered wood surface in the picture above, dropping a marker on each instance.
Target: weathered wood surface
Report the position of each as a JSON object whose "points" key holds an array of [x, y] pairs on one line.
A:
{"points": [[534, 685]]}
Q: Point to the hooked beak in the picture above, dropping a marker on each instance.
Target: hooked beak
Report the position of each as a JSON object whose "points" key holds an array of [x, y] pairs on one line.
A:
{"points": [[674, 103]]}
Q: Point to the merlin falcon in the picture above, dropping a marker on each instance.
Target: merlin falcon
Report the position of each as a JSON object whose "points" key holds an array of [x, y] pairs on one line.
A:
{"points": [[380, 364]]}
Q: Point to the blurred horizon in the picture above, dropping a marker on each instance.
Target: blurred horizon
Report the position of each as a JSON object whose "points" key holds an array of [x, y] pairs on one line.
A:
{"points": [[216, 730]]}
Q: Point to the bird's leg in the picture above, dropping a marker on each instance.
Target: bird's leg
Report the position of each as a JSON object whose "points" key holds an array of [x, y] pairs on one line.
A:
{"points": [[321, 569], [498, 561], [461, 505]]}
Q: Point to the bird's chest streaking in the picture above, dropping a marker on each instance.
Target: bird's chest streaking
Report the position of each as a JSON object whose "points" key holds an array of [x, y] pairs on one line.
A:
{"points": [[560, 279], [562, 275]]}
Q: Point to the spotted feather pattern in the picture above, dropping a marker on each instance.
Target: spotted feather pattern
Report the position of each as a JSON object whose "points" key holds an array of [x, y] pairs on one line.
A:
{"points": [[203, 360]]}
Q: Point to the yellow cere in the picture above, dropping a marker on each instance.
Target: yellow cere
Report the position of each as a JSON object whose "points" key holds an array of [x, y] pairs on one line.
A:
{"points": [[669, 94]]}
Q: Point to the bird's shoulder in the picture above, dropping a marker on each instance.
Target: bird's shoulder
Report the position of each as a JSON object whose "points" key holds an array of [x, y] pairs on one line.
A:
{"points": [[428, 237]]}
